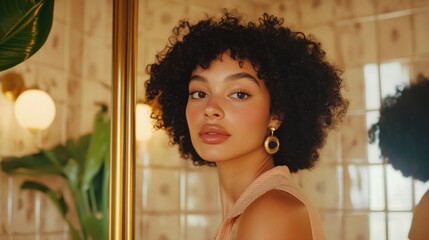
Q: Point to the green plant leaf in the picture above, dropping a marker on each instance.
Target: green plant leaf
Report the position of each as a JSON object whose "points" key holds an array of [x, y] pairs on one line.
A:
{"points": [[56, 197], [96, 227], [24, 28], [58, 155], [79, 148], [36, 164], [98, 146]]}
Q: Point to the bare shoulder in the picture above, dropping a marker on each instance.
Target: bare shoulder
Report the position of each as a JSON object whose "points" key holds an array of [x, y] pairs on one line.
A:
{"points": [[276, 215]]}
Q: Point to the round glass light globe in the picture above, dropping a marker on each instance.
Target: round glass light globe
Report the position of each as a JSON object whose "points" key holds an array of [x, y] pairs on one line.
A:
{"points": [[34, 110]]}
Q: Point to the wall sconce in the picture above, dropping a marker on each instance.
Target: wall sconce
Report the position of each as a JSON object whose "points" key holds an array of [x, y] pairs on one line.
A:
{"points": [[34, 108], [144, 128], [12, 85]]}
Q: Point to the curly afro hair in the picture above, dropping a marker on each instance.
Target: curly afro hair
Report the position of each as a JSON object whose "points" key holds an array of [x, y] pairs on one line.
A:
{"points": [[403, 128], [304, 87]]}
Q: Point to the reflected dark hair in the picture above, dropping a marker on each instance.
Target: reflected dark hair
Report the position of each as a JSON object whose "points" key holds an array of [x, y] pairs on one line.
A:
{"points": [[304, 87], [402, 130]]}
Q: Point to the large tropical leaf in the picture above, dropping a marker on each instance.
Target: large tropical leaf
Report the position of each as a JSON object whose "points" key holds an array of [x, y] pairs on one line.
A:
{"points": [[24, 28], [37, 164], [98, 147]]}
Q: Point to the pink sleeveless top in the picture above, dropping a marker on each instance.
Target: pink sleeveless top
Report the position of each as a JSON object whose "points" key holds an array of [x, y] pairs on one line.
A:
{"points": [[276, 178]]}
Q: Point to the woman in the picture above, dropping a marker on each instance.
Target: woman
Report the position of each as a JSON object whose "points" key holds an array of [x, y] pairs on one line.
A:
{"points": [[256, 100], [402, 133]]}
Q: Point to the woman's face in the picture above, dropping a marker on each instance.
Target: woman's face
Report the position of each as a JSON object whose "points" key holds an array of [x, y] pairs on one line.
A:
{"points": [[228, 110]]}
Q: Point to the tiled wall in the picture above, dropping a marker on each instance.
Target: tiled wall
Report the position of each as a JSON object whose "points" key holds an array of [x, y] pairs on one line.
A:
{"points": [[378, 44]]}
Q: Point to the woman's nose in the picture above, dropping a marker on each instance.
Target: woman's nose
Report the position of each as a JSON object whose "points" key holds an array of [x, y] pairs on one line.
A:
{"points": [[213, 110]]}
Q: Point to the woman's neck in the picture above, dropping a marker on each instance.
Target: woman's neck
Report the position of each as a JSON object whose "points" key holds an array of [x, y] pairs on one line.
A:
{"points": [[236, 175]]}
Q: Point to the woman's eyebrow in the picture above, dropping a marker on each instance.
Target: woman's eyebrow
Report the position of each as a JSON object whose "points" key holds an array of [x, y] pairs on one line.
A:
{"points": [[231, 77], [198, 78], [241, 75]]}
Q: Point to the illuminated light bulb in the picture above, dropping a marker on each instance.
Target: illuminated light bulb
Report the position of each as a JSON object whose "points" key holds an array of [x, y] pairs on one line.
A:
{"points": [[34, 110], [144, 129]]}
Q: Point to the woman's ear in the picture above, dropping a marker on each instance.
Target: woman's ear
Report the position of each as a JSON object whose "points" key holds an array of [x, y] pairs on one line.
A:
{"points": [[275, 121]]}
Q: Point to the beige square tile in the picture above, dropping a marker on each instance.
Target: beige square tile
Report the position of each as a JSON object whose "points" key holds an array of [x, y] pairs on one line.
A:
{"points": [[55, 133], [377, 225], [354, 139], [94, 18], [330, 153], [86, 121], [393, 75], [51, 219], [354, 8], [316, 12], [160, 17], [419, 67], [165, 227], [399, 195], [356, 226], [202, 192], [161, 190], [395, 38], [399, 224], [140, 226], [5, 201], [23, 141], [161, 152], [23, 208], [356, 187], [419, 3], [421, 32], [325, 34], [384, 6], [202, 226], [7, 124], [73, 124], [94, 92], [140, 88], [210, 5], [94, 56], [141, 54], [53, 236], [322, 186], [289, 10], [53, 51], [372, 86], [357, 43], [332, 225], [195, 12], [31, 236], [60, 7], [76, 11], [376, 188], [76, 57], [53, 81], [108, 15], [74, 91], [139, 193], [354, 90], [420, 189], [148, 49]]}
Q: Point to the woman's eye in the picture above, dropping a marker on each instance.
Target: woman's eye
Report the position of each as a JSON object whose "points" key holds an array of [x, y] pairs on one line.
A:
{"points": [[240, 95], [197, 94]]}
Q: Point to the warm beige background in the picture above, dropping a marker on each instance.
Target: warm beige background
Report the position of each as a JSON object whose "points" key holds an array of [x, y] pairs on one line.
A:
{"points": [[377, 43]]}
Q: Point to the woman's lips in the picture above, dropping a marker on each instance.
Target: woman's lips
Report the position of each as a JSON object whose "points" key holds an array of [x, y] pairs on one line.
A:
{"points": [[213, 134]]}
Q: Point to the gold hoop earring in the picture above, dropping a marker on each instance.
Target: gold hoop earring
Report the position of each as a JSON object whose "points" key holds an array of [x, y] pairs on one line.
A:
{"points": [[272, 143]]}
